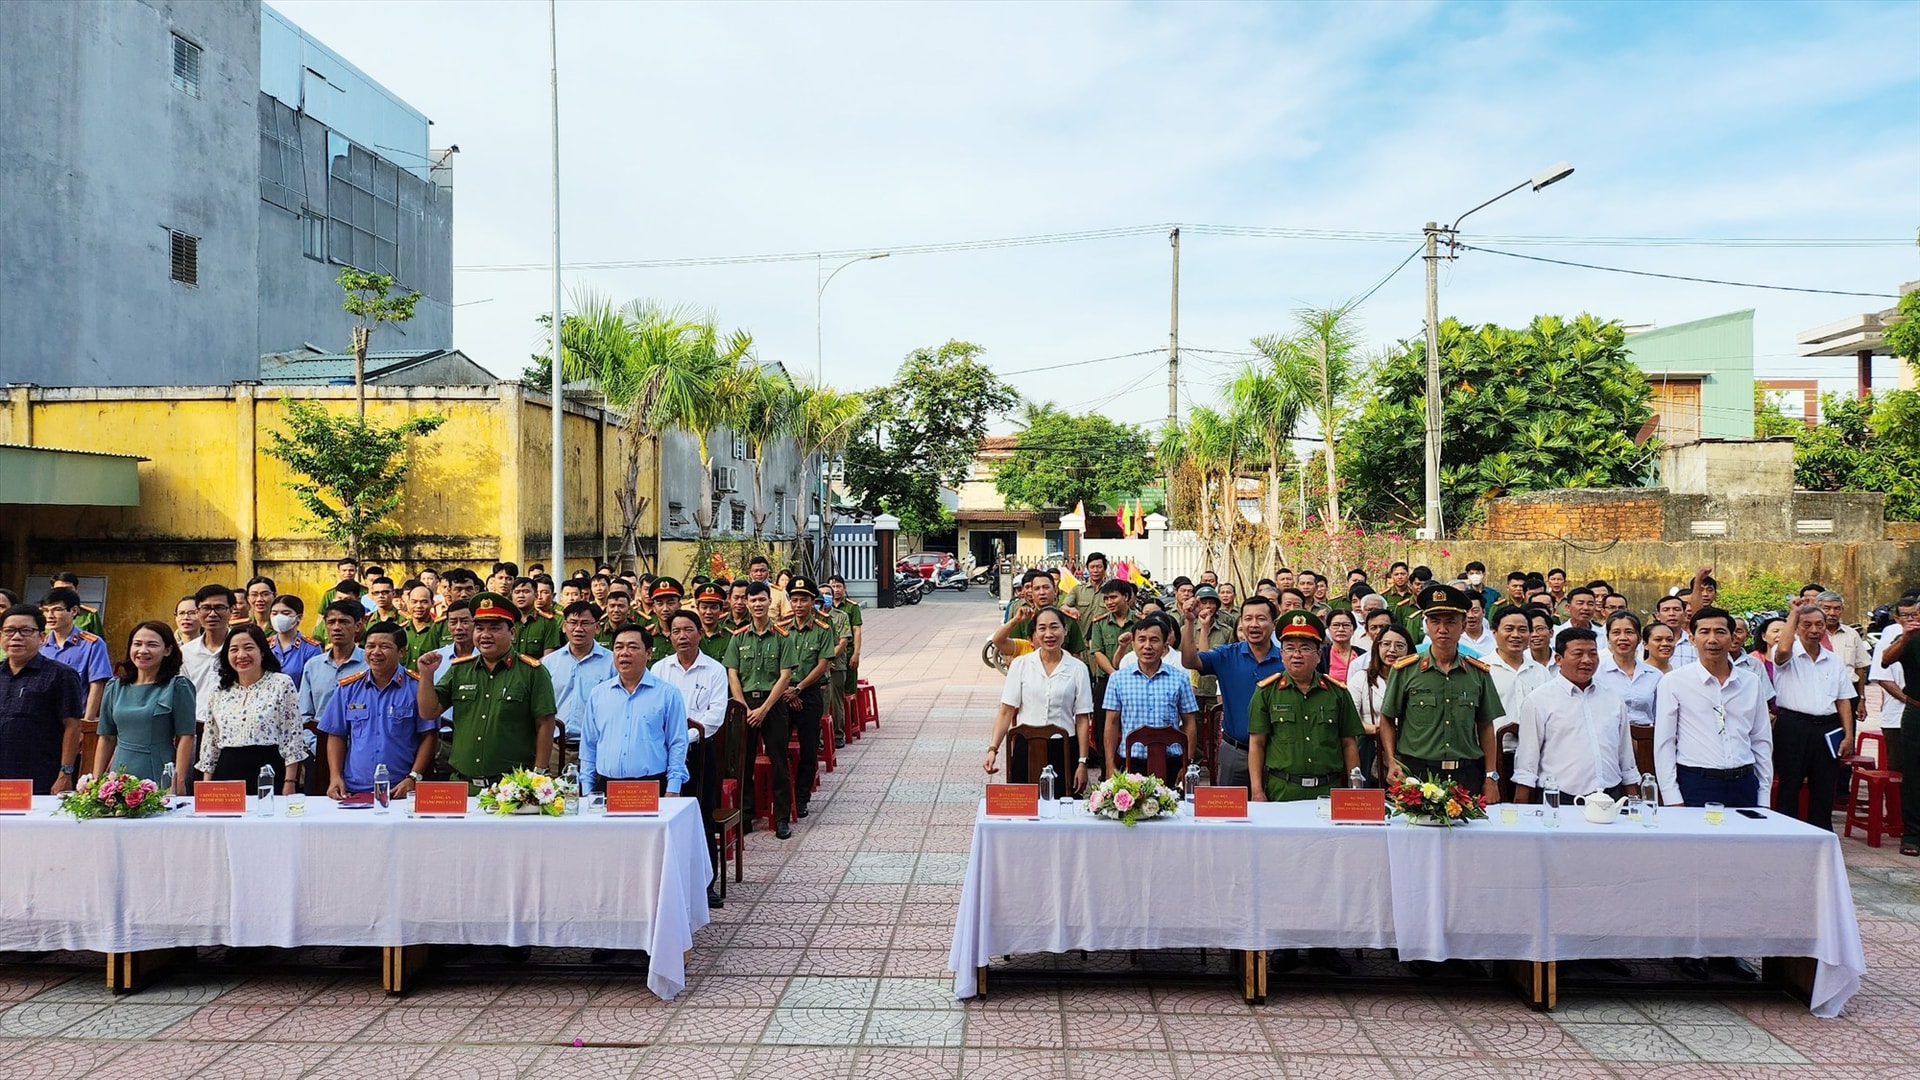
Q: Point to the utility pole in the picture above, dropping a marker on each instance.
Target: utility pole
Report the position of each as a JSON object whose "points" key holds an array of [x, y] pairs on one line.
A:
{"points": [[558, 566], [1435, 528], [1173, 361]]}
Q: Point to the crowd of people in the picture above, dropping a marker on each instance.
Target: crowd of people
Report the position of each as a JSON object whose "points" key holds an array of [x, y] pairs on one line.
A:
{"points": [[1297, 685], [439, 676]]}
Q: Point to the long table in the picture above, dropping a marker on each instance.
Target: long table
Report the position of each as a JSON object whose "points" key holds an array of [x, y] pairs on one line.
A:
{"points": [[136, 889], [1286, 879]]}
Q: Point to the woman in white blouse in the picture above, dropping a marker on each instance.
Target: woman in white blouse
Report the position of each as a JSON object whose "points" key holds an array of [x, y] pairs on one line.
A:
{"points": [[1368, 684], [253, 717], [1045, 688], [1623, 672]]}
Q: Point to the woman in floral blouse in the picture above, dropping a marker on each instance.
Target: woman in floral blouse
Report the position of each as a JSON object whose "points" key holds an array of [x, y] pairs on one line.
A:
{"points": [[253, 717]]}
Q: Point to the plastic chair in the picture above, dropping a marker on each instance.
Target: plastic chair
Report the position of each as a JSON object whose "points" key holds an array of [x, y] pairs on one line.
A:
{"points": [[727, 826], [1643, 748], [1036, 743], [850, 710], [1208, 736], [1157, 741], [869, 704]]}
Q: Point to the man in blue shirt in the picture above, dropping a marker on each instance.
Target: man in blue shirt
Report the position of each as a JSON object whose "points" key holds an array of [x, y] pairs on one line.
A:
{"points": [[374, 719], [1150, 695], [578, 668], [1239, 666], [341, 658], [635, 724], [74, 647]]}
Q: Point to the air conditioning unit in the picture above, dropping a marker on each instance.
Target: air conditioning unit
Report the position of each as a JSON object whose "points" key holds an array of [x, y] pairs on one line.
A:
{"points": [[726, 478]]}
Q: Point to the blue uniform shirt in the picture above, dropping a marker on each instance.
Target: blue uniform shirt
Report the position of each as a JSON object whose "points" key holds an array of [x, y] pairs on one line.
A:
{"points": [[1233, 664], [573, 678], [643, 733], [382, 726], [82, 652], [321, 676], [293, 658]]}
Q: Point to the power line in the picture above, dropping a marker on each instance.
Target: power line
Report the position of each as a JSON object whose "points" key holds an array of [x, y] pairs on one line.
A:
{"points": [[1395, 272], [1082, 363], [1676, 277]]}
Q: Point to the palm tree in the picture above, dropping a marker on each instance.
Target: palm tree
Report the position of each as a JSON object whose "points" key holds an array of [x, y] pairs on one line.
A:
{"points": [[1321, 367], [765, 414], [1267, 408], [824, 422], [725, 370]]}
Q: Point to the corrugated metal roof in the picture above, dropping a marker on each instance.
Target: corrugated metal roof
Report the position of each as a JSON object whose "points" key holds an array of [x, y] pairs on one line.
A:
{"points": [[64, 450]]}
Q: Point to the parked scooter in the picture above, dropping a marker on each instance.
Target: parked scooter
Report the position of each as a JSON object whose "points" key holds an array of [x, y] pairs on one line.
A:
{"points": [[908, 588], [950, 578]]}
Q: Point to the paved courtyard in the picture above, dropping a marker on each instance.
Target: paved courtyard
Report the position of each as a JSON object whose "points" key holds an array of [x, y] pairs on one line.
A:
{"points": [[830, 961]]}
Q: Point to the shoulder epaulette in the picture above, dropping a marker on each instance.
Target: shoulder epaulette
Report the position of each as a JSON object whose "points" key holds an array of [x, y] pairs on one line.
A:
{"points": [[1333, 682], [1271, 679], [736, 631], [820, 622], [355, 677], [84, 636], [309, 639], [1475, 661], [781, 630], [534, 660], [1409, 659], [465, 659], [89, 610]]}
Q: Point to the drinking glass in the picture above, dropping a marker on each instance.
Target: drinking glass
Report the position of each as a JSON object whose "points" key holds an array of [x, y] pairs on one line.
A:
{"points": [[1509, 814], [1716, 813], [1323, 807]]}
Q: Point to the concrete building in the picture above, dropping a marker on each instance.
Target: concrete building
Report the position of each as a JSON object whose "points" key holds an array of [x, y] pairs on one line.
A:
{"points": [[1861, 337], [183, 182], [1702, 373]]}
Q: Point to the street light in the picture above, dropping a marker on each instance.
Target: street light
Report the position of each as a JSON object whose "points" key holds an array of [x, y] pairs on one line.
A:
{"points": [[1435, 530], [820, 370]]}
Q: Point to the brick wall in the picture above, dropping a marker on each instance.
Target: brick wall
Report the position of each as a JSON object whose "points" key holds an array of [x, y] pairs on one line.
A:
{"points": [[1529, 519]]}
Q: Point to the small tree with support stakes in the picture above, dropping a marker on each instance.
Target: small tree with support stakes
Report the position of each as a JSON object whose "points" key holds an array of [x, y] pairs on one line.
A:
{"points": [[371, 299]]}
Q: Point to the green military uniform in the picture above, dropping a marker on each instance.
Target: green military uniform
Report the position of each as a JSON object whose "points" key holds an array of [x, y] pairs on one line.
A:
{"points": [[854, 619], [810, 643], [423, 641], [1305, 728], [757, 658], [1103, 636], [538, 636], [657, 623], [1085, 599], [88, 620], [837, 673], [1438, 713], [496, 710]]}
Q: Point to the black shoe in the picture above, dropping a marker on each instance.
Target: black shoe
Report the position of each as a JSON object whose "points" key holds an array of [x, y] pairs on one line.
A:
{"points": [[783, 831], [1692, 967], [714, 899], [1734, 966], [1330, 960], [839, 744], [1426, 969], [802, 812], [1282, 960]]}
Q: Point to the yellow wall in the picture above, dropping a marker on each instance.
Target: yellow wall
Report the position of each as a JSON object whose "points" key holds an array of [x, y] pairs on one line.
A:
{"points": [[214, 507]]}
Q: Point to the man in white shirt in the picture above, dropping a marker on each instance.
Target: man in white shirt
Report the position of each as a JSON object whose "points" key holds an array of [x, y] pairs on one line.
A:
{"points": [[702, 682], [1672, 610], [1814, 694], [1574, 731], [1478, 636], [200, 658], [1844, 640], [1712, 738], [1515, 672], [1891, 680]]}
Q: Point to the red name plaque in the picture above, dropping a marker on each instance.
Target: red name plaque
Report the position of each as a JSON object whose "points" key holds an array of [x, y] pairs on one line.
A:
{"points": [[220, 798], [16, 796], [1219, 802], [1013, 800], [1359, 806], [633, 796], [440, 797]]}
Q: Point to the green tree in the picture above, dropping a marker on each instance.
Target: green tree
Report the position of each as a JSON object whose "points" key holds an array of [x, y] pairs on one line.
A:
{"points": [[1268, 408], [351, 471], [920, 432], [1555, 404], [824, 421], [1849, 452], [1062, 459], [1320, 367], [1768, 421], [371, 299]]}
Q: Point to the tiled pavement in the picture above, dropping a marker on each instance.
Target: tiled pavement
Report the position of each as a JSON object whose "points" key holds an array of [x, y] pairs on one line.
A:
{"points": [[830, 961]]}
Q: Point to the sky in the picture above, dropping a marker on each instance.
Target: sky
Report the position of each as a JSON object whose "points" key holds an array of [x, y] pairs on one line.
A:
{"points": [[741, 129]]}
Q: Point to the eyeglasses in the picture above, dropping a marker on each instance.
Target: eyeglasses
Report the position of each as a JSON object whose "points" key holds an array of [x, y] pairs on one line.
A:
{"points": [[214, 609], [18, 631]]}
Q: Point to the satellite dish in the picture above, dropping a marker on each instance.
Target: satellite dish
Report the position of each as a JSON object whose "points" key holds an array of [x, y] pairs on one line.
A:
{"points": [[1647, 429]]}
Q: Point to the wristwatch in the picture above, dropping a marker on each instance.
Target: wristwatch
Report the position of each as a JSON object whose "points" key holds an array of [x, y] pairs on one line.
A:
{"points": [[68, 770], [1494, 775], [415, 777]]}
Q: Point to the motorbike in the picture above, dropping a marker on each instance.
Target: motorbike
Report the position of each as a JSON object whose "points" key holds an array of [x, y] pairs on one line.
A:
{"points": [[951, 578], [908, 588]]}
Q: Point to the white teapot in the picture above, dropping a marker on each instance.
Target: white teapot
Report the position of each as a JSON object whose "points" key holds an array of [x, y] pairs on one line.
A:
{"points": [[1600, 807]]}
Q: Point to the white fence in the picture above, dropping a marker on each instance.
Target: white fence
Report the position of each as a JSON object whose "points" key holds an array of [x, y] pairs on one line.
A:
{"points": [[854, 552], [1165, 553]]}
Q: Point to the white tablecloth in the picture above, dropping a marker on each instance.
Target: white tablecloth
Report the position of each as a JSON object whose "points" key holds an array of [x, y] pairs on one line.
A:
{"points": [[353, 877], [1286, 879]]}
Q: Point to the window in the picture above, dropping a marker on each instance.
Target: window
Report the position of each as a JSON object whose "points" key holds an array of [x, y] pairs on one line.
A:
{"points": [[779, 506], [283, 161], [676, 515], [186, 66], [183, 253], [313, 238], [740, 447], [739, 516], [363, 207]]}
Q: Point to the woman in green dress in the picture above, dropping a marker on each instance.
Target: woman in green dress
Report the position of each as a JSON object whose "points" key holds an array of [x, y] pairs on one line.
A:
{"points": [[147, 713]]}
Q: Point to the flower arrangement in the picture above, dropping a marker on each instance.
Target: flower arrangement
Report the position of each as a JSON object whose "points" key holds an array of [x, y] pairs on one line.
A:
{"points": [[524, 791], [113, 795], [1131, 798], [1434, 803]]}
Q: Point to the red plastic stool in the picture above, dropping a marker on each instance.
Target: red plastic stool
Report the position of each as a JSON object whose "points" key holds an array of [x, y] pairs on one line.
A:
{"points": [[869, 704], [1869, 812], [763, 789], [828, 759], [850, 714]]}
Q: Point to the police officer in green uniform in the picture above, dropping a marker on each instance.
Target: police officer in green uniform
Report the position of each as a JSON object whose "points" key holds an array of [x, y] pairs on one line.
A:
{"points": [[503, 707], [666, 601], [1440, 706], [837, 686], [1105, 646], [810, 639], [759, 669], [837, 585], [1082, 602], [536, 635], [710, 602]]}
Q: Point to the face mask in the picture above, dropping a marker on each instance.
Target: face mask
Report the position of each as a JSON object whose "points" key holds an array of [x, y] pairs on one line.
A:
{"points": [[1475, 579], [284, 624]]}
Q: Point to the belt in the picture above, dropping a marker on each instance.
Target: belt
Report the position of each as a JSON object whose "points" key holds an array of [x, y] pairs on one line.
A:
{"points": [[1305, 781], [1717, 774], [1237, 744], [1438, 763], [1832, 718]]}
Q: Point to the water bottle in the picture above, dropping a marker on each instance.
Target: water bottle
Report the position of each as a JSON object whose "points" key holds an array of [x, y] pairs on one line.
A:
{"points": [[1048, 785], [166, 781], [570, 788], [1356, 778], [263, 791], [1649, 800], [382, 788], [1549, 802], [1137, 758], [1193, 779]]}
